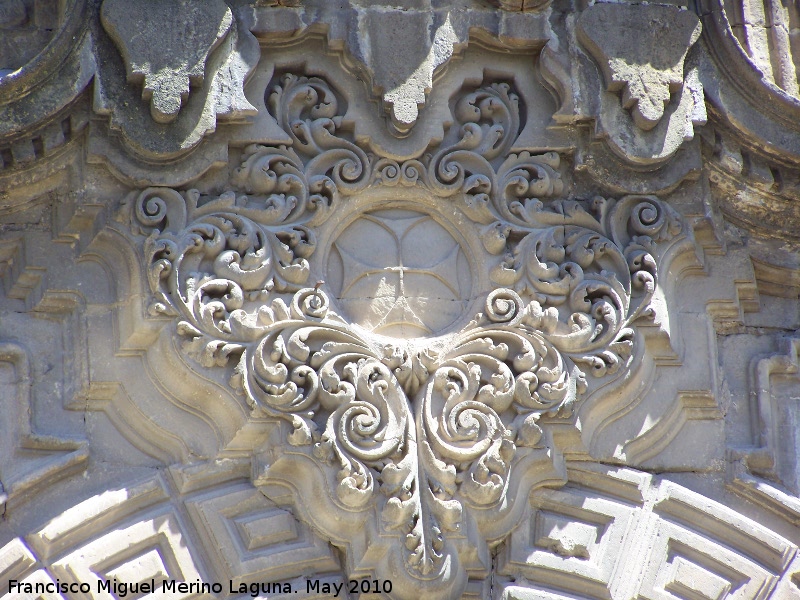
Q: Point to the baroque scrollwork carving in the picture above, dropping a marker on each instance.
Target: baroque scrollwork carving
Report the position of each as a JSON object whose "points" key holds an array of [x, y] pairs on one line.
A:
{"points": [[429, 434]]}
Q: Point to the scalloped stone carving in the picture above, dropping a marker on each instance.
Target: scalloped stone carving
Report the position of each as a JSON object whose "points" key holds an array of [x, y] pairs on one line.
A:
{"points": [[408, 420], [166, 66], [647, 72]]}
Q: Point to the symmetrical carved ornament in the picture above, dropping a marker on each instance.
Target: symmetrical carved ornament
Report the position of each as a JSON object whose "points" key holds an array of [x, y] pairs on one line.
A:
{"points": [[411, 415], [649, 71], [165, 74]]}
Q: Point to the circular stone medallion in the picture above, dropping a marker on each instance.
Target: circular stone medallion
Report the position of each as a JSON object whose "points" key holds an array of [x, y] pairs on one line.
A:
{"points": [[399, 273]]}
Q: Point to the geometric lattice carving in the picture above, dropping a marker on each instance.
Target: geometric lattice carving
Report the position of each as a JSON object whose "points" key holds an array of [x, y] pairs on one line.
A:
{"points": [[155, 548], [565, 535], [687, 565], [41, 578], [709, 538], [644, 539], [134, 535], [688, 578], [254, 541], [75, 526], [16, 562], [569, 540]]}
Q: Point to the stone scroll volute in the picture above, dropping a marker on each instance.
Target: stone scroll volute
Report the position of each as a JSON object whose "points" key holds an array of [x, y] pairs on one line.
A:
{"points": [[416, 329]]}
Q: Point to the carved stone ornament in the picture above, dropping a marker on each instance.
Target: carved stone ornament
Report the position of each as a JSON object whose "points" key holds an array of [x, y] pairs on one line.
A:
{"points": [[419, 384], [649, 71], [166, 73]]}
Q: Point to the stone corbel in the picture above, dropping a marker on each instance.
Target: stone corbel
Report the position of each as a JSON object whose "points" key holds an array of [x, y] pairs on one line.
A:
{"points": [[641, 51], [181, 70], [652, 97], [400, 49], [166, 66]]}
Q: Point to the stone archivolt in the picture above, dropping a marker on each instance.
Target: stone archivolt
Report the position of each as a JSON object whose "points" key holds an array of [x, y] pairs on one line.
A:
{"points": [[430, 433]]}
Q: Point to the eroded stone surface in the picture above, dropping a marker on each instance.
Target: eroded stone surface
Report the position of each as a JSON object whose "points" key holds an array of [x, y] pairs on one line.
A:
{"points": [[400, 273], [166, 66], [285, 339], [26, 29], [641, 51]]}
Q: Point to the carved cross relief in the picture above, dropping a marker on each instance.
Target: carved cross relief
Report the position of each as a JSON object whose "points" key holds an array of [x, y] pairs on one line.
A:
{"points": [[399, 273], [466, 305]]}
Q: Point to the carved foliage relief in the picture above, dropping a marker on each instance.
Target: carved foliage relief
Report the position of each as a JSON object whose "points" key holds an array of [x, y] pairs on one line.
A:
{"points": [[462, 316]]}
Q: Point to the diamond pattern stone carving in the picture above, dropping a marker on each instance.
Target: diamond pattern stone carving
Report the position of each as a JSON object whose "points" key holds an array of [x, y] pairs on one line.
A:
{"points": [[669, 542], [254, 541], [151, 548]]}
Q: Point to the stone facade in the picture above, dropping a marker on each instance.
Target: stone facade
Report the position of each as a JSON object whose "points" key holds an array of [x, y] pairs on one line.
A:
{"points": [[411, 299]]}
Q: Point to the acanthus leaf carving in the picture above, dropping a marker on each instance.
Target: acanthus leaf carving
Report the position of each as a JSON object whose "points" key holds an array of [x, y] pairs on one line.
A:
{"points": [[429, 436]]}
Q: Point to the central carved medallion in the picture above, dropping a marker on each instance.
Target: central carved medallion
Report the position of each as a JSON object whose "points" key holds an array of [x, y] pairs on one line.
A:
{"points": [[411, 450], [399, 273]]}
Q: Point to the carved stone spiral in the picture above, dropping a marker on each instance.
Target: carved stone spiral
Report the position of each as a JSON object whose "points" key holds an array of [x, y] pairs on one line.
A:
{"points": [[312, 303], [425, 437], [160, 208], [503, 305]]}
